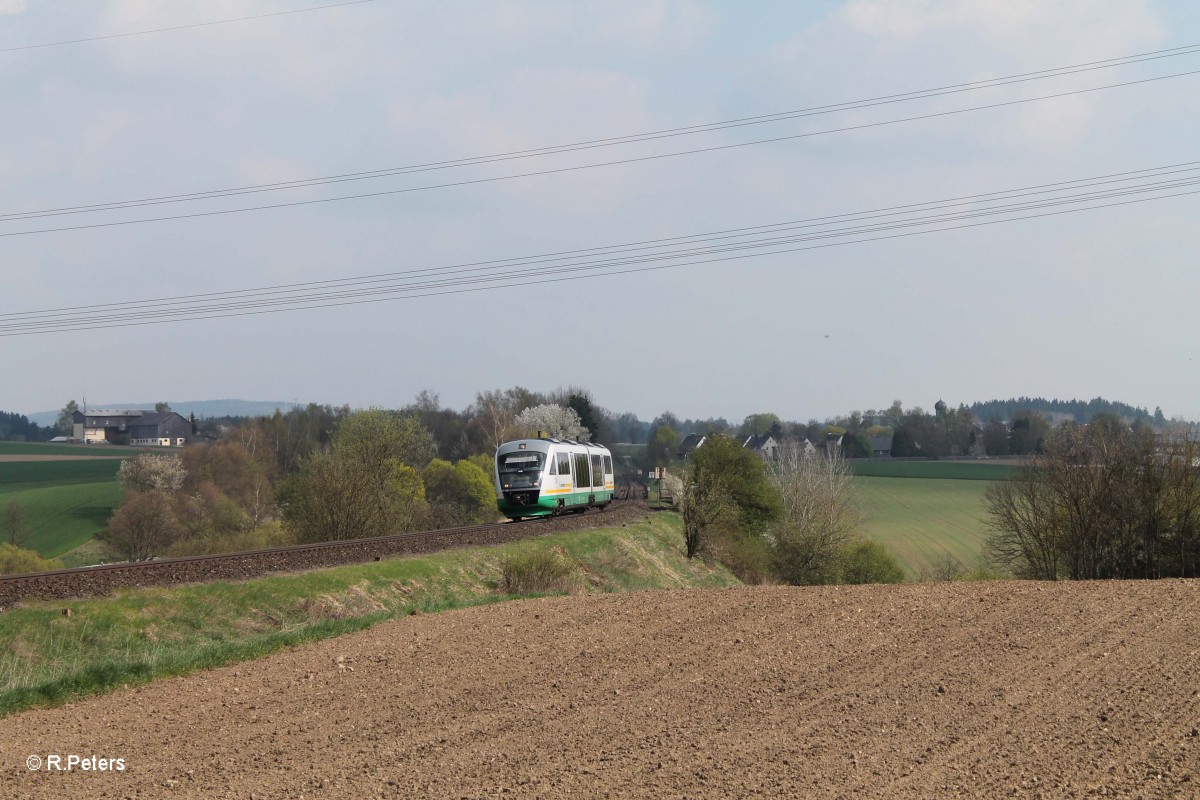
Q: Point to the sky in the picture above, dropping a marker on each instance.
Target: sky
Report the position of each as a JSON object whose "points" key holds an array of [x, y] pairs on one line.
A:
{"points": [[1096, 303]]}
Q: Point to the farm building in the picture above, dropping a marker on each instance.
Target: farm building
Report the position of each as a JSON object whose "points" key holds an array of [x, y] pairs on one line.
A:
{"points": [[132, 426]]}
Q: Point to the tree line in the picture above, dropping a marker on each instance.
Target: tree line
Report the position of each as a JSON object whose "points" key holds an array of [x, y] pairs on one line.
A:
{"points": [[1103, 500], [17, 428]]}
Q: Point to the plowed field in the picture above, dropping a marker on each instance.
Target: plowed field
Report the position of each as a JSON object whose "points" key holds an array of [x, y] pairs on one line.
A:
{"points": [[923, 691]]}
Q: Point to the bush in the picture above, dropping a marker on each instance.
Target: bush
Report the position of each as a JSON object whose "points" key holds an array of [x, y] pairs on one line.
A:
{"points": [[539, 572], [870, 562], [744, 554], [14, 561], [272, 534]]}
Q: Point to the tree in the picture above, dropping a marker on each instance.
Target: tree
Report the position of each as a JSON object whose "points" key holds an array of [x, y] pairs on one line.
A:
{"points": [[143, 527], [449, 428], [231, 469], [995, 438], [152, 473], [758, 424], [662, 446], [903, 444], [590, 417], [743, 475], [162, 407], [819, 521], [376, 437], [335, 498], [367, 484], [493, 413], [1100, 501], [1029, 428], [553, 420], [16, 522], [463, 493], [66, 419]]}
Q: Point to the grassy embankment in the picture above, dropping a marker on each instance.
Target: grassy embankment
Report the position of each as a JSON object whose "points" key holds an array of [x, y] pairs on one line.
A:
{"points": [[68, 502], [923, 510], [143, 634]]}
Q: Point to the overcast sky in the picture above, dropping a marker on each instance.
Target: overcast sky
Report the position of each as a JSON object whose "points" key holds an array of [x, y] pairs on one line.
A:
{"points": [[1084, 304]]}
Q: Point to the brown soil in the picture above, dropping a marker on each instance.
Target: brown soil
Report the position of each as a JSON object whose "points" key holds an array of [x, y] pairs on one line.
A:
{"points": [[950, 690]]}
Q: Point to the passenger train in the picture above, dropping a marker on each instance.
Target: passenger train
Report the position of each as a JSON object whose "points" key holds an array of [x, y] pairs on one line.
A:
{"points": [[546, 477]]}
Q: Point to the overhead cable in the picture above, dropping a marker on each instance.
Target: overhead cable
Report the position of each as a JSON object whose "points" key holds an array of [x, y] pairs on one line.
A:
{"points": [[837, 230], [607, 142]]}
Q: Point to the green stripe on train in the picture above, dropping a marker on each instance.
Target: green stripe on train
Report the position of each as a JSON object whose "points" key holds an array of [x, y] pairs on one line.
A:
{"points": [[547, 503]]}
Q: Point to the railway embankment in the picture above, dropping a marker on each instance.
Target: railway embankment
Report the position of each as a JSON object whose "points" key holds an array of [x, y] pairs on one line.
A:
{"points": [[57, 650]]}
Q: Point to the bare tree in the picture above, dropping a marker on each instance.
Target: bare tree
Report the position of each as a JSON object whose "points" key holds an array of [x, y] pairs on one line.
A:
{"points": [[143, 527], [16, 522], [1101, 501], [820, 519]]}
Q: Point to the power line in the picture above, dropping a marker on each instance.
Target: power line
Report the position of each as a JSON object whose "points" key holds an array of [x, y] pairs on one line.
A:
{"points": [[443, 284], [181, 27], [560, 170], [889, 211], [303, 183]]}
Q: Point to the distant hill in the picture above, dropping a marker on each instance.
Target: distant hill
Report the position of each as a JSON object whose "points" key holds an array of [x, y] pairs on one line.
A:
{"points": [[201, 408]]}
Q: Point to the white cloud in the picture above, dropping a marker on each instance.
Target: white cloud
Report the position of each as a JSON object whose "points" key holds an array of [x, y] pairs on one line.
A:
{"points": [[12, 6], [904, 45], [661, 23]]}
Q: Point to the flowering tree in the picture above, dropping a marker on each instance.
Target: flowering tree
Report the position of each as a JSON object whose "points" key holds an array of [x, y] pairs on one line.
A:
{"points": [[553, 420]]}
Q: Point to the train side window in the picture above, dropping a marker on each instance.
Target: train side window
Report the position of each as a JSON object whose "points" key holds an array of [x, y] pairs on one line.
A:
{"points": [[553, 467], [597, 471], [608, 465], [564, 463]]}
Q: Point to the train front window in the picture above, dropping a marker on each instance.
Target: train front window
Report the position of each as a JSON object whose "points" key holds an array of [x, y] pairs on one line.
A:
{"points": [[520, 470]]}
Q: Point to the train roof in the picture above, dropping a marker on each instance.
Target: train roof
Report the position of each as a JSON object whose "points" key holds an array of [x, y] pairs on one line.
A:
{"points": [[549, 440]]}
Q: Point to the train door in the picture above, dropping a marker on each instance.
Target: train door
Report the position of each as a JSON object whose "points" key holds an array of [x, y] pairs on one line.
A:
{"points": [[583, 476], [564, 481], [597, 472]]}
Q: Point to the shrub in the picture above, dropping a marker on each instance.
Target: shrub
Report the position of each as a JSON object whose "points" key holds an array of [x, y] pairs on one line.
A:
{"points": [[539, 572], [14, 561], [870, 562], [271, 534]]}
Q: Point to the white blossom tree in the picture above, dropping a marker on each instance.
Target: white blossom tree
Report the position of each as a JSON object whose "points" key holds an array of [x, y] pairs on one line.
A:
{"points": [[152, 473], [554, 420]]}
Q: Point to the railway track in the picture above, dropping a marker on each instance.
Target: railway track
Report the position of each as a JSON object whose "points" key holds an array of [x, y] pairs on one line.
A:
{"points": [[629, 489], [104, 579]]}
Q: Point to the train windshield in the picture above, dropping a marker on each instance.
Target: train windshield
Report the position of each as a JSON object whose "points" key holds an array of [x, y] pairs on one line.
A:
{"points": [[523, 461]]}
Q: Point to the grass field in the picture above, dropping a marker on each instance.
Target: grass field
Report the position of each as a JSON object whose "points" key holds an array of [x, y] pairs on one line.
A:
{"points": [[143, 634], [922, 519], [948, 470], [68, 501], [46, 449]]}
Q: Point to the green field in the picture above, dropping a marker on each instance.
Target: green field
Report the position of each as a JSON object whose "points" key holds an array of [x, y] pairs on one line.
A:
{"points": [[922, 519], [948, 470], [45, 449], [68, 502]]}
